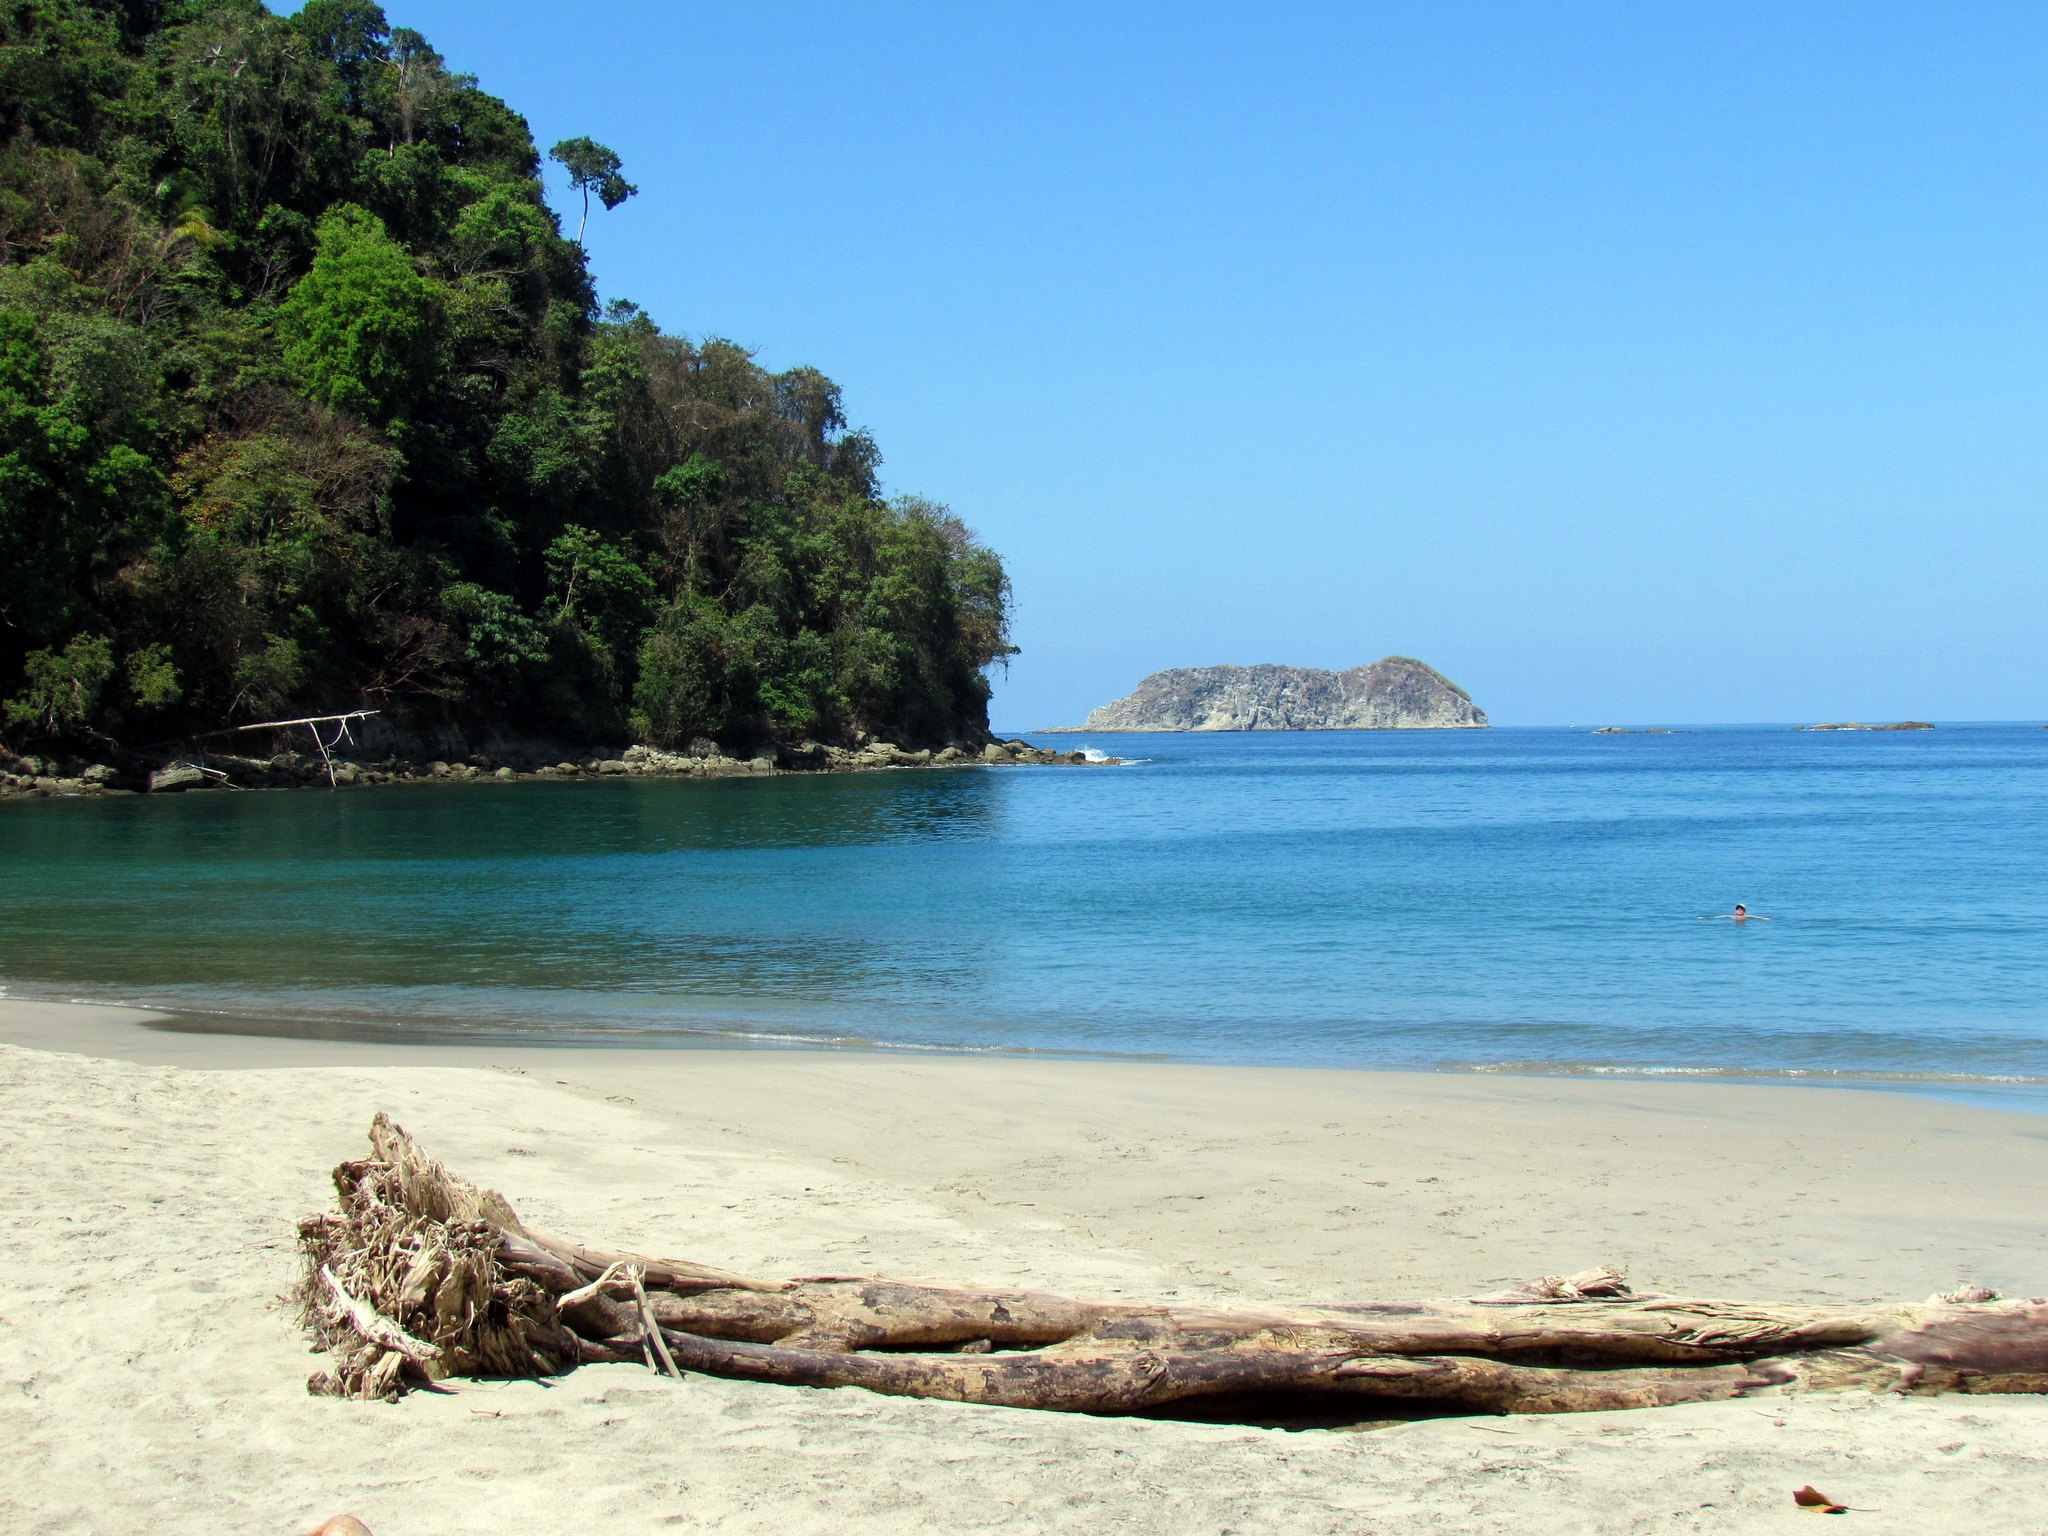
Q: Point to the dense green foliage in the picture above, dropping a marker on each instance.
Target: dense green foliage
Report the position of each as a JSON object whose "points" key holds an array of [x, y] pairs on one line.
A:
{"points": [[306, 405]]}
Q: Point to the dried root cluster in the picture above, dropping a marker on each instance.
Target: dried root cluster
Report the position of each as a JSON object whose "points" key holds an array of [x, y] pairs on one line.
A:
{"points": [[405, 1281], [421, 1276]]}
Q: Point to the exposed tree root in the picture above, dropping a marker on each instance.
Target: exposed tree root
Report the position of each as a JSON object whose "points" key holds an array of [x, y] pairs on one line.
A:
{"points": [[421, 1276]]}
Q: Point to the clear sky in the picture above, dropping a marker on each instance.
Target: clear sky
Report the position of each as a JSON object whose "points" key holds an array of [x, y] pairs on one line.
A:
{"points": [[1628, 362]]}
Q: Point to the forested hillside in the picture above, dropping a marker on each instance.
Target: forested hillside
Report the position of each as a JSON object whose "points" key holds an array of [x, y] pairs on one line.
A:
{"points": [[307, 405]]}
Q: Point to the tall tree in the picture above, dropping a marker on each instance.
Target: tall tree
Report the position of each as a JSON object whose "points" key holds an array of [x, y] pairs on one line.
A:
{"points": [[419, 78], [593, 168]]}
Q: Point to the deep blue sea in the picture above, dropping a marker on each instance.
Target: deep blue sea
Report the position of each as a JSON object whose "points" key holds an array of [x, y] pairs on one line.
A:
{"points": [[1507, 898]]}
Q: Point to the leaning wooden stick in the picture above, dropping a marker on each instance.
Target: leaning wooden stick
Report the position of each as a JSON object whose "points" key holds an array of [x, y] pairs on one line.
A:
{"points": [[420, 1276]]}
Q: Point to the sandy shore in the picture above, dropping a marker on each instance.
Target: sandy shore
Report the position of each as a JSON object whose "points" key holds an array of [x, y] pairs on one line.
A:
{"points": [[149, 1380]]}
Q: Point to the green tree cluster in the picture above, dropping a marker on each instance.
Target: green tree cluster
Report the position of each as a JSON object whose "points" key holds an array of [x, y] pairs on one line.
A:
{"points": [[306, 404]]}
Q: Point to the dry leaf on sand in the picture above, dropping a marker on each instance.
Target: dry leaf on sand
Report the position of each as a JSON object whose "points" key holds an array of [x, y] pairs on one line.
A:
{"points": [[1808, 1497]]}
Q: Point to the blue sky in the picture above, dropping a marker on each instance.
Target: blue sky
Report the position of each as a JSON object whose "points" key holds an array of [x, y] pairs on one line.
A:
{"points": [[1628, 362]]}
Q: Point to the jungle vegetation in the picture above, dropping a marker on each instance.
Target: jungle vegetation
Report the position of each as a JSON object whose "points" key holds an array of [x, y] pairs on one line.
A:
{"points": [[307, 404]]}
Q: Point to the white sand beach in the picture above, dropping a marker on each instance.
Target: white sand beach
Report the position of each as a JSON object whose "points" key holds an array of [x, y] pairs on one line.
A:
{"points": [[150, 1379]]}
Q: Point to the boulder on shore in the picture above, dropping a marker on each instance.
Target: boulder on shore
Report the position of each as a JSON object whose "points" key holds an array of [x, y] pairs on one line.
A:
{"points": [[175, 777]]}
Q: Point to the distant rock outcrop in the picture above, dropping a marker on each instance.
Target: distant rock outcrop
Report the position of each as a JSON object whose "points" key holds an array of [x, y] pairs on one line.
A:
{"points": [[1398, 693], [1857, 725]]}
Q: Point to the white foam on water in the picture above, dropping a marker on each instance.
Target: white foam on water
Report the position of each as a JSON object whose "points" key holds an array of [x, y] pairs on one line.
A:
{"points": [[1826, 1074]]}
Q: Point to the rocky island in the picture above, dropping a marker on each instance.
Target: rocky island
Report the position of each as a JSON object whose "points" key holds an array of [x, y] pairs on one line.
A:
{"points": [[1396, 693]]}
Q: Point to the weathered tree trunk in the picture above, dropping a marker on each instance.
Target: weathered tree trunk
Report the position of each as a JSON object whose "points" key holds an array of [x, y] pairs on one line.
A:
{"points": [[421, 1275]]}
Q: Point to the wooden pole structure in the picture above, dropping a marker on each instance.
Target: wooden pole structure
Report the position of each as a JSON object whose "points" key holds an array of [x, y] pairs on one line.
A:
{"points": [[313, 723]]}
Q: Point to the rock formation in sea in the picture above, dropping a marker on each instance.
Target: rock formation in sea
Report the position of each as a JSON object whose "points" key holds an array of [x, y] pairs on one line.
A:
{"points": [[1858, 725], [1396, 693]]}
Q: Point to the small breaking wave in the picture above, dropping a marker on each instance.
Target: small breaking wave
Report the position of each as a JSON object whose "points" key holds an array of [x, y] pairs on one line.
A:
{"points": [[1733, 1074]]}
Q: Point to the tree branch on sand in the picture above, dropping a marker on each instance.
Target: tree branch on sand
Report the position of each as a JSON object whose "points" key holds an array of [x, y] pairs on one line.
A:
{"points": [[420, 1276]]}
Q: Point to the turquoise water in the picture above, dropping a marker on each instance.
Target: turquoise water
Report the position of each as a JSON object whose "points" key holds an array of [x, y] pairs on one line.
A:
{"points": [[1480, 898]]}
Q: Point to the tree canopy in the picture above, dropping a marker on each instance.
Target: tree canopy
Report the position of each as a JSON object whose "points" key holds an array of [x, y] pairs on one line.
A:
{"points": [[306, 404], [593, 168]]}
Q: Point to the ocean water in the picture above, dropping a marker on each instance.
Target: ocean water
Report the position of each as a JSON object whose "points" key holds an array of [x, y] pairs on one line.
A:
{"points": [[1521, 899]]}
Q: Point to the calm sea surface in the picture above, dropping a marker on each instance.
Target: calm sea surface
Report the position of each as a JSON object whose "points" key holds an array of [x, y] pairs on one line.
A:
{"points": [[1413, 899]]}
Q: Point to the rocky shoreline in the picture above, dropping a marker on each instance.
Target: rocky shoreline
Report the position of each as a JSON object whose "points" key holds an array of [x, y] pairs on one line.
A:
{"points": [[44, 776]]}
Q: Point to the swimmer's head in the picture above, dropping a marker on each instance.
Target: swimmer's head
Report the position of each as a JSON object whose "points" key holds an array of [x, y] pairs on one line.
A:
{"points": [[1739, 907]]}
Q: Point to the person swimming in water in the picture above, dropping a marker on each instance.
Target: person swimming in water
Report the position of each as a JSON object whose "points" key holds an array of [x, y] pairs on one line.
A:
{"points": [[1741, 914]]}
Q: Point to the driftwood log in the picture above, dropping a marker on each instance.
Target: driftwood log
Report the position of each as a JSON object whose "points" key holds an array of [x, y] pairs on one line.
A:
{"points": [[420, 1276]]}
